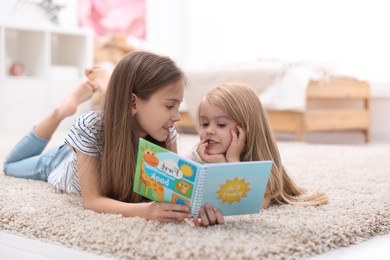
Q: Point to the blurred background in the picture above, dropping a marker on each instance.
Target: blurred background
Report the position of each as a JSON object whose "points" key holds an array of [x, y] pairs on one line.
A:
{"points": [[49, 42]]}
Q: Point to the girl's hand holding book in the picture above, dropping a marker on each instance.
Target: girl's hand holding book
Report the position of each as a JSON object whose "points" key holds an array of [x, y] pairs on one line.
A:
{"points": [[166, 212], [208, 216]]}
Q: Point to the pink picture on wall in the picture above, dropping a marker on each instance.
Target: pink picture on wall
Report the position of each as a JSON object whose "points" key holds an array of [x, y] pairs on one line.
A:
{"points": [[108, 16]]}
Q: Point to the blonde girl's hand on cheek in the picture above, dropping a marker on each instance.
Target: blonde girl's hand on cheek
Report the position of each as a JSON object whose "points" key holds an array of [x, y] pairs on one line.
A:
{"points": [[167, 212], [206, 157], [237, 145], [208, 216]]}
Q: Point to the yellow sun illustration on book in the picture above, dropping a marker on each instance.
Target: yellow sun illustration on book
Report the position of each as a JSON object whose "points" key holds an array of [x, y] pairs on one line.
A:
{"points": [[186, 170], [233, 190]]}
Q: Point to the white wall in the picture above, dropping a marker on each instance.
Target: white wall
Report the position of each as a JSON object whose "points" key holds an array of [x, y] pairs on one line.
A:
{"points": [[351, 37], [29, 13], [166, 27]]}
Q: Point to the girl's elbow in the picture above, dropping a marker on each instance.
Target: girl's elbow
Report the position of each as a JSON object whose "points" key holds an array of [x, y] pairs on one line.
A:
{"points": [[266, 203], [90, 204], [94, 200]]}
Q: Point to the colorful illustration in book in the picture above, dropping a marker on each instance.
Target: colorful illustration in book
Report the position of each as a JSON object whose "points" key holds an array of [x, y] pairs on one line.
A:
{"points": [[161, 177], [187, 170], [150, 158], [183, 187], [233, 190], [180, 200]]}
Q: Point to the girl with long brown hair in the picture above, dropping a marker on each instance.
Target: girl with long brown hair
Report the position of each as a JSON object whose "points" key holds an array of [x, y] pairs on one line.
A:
{"points": [[98, 158]]}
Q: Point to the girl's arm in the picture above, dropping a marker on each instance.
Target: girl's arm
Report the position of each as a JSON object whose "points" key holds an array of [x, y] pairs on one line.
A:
{"points": [[87, 167], [266, 200]]}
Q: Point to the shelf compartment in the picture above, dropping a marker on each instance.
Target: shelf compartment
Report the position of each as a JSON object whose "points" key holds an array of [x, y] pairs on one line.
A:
{"points": [[61, 45], [29, 48]]}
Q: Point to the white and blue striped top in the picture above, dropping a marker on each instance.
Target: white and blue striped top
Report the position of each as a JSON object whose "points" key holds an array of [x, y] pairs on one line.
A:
{"points": [[83, 136]]}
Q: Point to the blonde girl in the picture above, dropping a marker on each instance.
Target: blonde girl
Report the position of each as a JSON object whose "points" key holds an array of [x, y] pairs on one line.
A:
{"points": [[233, 126]]}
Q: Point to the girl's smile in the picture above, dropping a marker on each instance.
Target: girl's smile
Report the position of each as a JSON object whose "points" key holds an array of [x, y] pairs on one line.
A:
{"points": [[157, 115], [209, 141]]}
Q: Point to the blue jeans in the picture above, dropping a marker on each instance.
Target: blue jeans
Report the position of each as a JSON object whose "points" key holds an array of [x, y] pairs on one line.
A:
{"points": [[27, 160]]}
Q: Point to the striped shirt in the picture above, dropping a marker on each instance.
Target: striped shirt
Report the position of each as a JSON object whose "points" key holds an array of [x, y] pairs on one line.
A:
{"points": [[84, 136]]}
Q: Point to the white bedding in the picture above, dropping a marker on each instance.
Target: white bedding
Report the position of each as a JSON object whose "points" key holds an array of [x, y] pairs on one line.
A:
{"points": [[280, 86], [200, 81]]}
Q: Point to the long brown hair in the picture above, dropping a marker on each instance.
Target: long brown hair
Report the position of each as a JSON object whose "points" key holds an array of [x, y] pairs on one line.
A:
{"points": [[141, 73], [242, 104]]}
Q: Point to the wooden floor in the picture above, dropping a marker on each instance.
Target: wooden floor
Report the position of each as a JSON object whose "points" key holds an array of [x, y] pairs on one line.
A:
{"points": [[15, 247]]}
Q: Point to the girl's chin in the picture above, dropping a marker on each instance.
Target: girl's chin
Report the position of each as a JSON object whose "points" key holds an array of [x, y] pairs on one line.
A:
{"points": [[214, 152], [160, 137]]}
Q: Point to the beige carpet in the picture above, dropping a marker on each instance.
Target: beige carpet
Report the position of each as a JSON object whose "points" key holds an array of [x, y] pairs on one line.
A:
{"points": [[356, 177]]}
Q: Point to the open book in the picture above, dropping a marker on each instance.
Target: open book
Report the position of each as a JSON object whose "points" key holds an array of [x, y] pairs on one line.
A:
{"points": [[233, 188]]}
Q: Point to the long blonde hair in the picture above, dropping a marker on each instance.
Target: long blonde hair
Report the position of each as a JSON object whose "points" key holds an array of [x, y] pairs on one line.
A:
{"points": [[143, 74], [242, 104]]}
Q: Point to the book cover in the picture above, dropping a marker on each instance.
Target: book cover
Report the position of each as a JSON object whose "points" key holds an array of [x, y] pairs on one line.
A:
{"points": [[233, 188]]}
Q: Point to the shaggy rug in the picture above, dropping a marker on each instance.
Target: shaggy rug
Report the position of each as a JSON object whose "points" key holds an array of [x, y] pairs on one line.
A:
{"points": [[356, 178]]}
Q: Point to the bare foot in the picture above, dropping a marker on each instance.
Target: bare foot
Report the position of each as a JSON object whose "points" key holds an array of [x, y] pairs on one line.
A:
{"points": [[79, 95], [99, 77]]}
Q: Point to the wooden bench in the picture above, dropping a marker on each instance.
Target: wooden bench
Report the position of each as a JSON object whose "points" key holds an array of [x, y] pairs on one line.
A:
{"points": [[332, 105]]}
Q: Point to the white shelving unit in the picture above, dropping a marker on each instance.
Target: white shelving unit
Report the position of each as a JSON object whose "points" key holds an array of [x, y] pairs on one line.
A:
{"points": [[54, 61]]}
